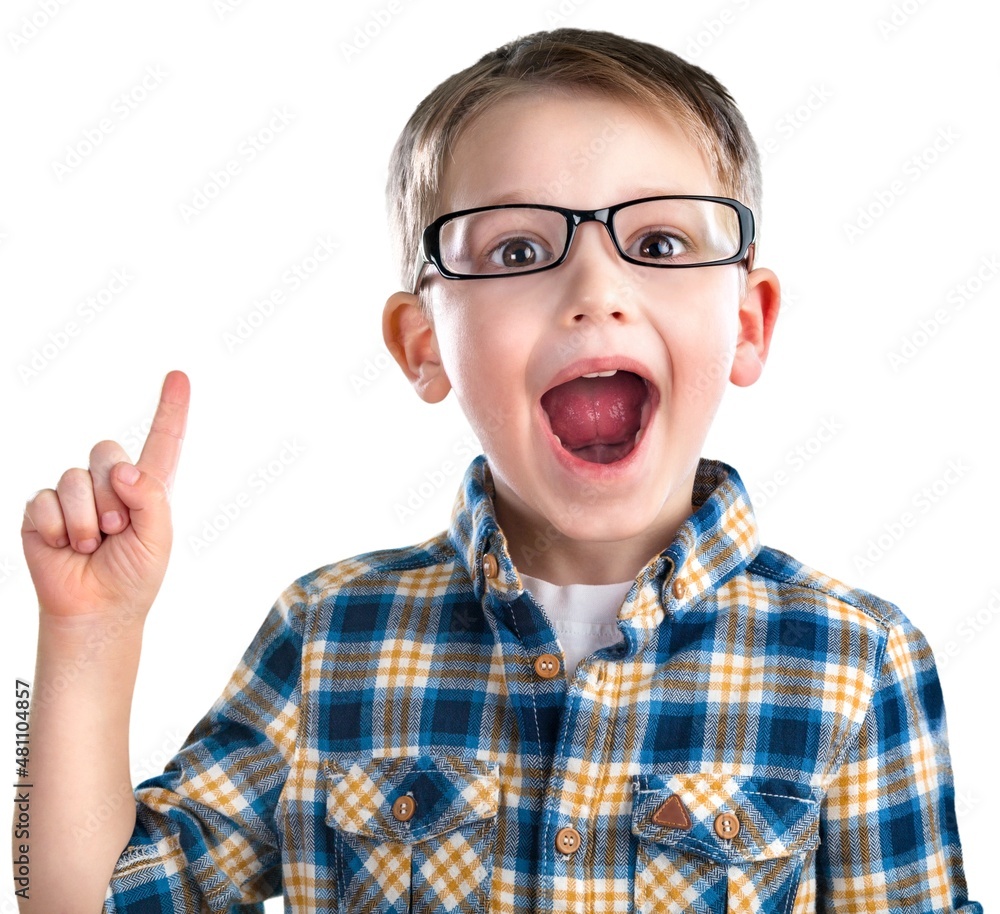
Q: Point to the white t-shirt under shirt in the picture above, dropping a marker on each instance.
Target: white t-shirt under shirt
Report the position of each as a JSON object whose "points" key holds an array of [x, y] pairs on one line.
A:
{"points": [[584, 616]]}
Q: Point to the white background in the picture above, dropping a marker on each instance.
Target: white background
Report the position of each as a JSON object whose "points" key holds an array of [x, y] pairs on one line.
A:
{"points": [[885, 81]]}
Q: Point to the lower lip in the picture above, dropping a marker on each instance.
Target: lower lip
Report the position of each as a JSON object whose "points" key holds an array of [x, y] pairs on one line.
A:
{"points": [[601, 471]]}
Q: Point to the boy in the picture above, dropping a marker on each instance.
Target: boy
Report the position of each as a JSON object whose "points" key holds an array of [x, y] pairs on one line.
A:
{"points": [[596, 690]]}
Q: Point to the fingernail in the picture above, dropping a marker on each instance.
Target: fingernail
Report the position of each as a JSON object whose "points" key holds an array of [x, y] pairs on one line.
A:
{"points": [[128, 474], [62, 541], [110, 520], [86, 545]]}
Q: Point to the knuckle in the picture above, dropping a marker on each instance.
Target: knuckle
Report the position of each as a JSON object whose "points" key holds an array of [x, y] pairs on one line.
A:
{"points": [[105, 452], [37, 498], [50, 526], [73, 479]]}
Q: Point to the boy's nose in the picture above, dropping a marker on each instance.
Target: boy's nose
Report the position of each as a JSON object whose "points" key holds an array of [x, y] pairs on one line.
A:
{"points": [[597, 281]]}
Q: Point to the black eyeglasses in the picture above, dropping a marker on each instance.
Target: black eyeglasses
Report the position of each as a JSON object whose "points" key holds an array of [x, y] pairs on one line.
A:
{"points": [[514, 239]]}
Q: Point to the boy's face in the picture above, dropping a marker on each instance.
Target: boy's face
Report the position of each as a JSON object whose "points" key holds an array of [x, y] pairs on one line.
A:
{"points": [[502, 343]]}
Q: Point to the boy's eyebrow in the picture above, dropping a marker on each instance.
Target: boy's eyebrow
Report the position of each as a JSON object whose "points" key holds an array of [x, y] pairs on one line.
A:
{"points": [[514, 196], [545, 197], [517, 196]]}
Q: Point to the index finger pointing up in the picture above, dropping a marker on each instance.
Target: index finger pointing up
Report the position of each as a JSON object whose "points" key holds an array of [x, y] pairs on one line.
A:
{"points": [[162, 449]]}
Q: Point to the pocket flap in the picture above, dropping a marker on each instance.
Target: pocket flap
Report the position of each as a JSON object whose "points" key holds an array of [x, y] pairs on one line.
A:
{"points": [[775, 818], [447, 792]]}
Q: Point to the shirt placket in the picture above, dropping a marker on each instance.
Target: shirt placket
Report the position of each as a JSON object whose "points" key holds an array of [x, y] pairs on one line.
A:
{"points": [[567, 731], [585, 835], [576, 725]]}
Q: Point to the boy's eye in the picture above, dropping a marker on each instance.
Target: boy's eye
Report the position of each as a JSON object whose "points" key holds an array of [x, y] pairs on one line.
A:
{"points": [[657, 245], [517, 253]]}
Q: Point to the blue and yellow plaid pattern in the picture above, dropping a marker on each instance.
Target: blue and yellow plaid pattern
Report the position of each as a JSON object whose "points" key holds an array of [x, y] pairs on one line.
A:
{"points": [[747, 690]]}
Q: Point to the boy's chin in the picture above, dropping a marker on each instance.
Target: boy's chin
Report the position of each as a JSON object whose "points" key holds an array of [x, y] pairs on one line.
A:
{"points": [[586, 510]]}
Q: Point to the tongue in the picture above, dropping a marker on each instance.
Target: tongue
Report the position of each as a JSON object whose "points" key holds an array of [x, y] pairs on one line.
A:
{"points": [[588, 411]]}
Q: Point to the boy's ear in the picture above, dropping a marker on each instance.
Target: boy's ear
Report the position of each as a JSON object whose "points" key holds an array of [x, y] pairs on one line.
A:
{"points": [[758, 312], [411, 339]]}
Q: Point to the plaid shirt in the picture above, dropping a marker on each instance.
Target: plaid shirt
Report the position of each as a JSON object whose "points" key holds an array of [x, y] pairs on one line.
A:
{"points": [[763, 739]]}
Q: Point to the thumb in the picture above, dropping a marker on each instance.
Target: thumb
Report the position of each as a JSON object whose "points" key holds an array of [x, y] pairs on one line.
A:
{"points": [[149, 508]]}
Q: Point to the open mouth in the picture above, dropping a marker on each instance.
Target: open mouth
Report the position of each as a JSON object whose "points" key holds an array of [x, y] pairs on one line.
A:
{"points": [[599, 417]]}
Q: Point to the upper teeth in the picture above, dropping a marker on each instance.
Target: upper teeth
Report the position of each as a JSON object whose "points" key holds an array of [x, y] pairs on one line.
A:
{"points": [[601, 374]]}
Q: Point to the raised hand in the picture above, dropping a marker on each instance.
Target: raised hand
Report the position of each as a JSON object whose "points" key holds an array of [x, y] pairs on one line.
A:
{"points": [[97, 545]]}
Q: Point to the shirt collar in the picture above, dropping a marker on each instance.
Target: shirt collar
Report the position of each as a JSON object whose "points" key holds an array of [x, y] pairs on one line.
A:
{"points": [[717, 540]]}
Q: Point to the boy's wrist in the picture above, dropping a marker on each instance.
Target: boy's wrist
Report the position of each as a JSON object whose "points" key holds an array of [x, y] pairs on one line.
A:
{"points": [[100, 635]]}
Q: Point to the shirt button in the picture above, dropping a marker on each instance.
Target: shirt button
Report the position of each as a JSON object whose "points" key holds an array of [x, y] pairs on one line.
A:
{"points": [[547, 666], [679, 588], [727, 825], [567, 840], [403, 809], [490, 566]]}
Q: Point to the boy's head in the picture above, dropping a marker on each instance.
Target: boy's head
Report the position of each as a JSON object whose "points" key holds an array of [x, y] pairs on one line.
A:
{"points": [[564, 120], [632, 72]]}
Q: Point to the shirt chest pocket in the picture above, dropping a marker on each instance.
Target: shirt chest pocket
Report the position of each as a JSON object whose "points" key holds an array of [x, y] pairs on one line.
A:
{"points": [[712, 844], [413, 834]]}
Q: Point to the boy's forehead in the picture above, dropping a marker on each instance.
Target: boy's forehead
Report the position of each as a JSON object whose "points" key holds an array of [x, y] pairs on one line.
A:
{"points": [[567, 148]]}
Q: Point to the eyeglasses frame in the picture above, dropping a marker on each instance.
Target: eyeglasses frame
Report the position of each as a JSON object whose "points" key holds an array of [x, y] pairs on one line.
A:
{"points": [[430, 241]]}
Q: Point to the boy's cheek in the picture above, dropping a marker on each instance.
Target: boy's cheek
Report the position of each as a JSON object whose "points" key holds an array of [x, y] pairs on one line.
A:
{"points": [[706, 382]]}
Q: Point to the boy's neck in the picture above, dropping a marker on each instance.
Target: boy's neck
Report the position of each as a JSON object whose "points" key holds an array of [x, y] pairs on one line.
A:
{"points": [[544, 553]]}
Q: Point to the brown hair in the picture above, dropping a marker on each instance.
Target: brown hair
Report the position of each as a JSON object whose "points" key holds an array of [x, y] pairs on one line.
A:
{"points": [[603, 62]]}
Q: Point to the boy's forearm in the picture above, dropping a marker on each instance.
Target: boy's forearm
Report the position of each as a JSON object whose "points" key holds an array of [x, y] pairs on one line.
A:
{"points": [[81, 803]]}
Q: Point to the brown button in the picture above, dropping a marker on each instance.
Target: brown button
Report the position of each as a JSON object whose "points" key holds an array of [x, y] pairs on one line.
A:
{"points": [[403, 809], [567, 840], [727, 825], [547, 666], [490, 566], [680, 588]]}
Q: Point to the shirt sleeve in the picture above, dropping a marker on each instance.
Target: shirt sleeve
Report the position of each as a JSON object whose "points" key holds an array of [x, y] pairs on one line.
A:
{"points": [[889, 837], [205, 837]]}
